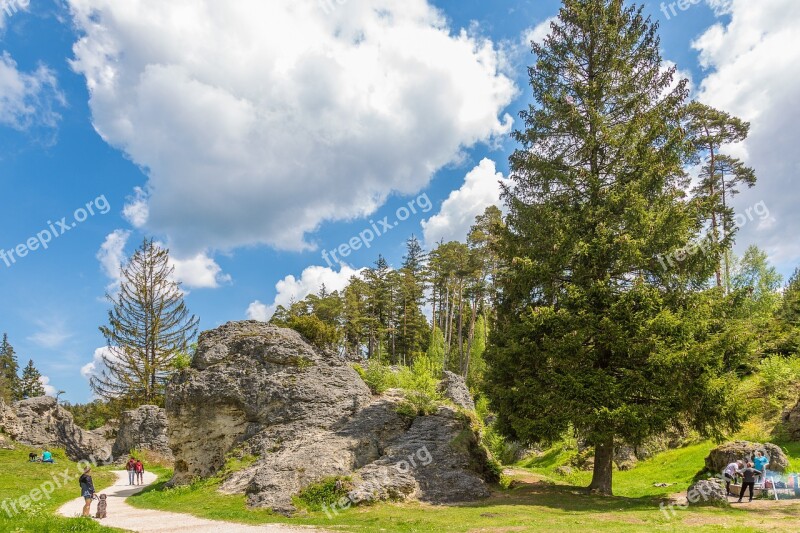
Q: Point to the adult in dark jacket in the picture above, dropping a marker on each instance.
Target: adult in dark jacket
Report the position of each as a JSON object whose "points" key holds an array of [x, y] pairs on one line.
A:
{"points": [[749, 476], [87, 490]]}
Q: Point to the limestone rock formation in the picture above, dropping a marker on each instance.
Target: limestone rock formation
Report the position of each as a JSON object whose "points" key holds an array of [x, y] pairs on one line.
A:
{"points": [[723, 455], [41, 422], [454, 388], [255, 389], [143, 428], [707, 492], [791, 421]]}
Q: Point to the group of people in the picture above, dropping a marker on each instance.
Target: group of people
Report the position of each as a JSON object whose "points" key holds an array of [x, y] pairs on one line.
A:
{"points": [[47, 457], [749, 471], [135, 470]]}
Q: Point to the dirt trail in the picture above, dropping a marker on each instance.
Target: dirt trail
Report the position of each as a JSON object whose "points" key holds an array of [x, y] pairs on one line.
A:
{"points": [[122, 515]]}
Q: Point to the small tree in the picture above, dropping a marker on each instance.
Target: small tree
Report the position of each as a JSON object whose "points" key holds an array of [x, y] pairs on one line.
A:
{"points": [[148, 327], [9, 380], [31, 383]]}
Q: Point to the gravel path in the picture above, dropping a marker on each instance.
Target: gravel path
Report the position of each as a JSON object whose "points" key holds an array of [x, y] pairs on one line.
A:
{"points": [[122, 515]]}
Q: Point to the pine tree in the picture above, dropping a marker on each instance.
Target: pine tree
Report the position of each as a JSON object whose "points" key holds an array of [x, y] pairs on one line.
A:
{"points": [[31, 383], [9, 380], [710, 130], [148, 326], [591, 333]]}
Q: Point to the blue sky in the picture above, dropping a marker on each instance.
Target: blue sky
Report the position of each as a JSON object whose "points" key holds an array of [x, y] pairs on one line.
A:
{"points": [[248, 150]]}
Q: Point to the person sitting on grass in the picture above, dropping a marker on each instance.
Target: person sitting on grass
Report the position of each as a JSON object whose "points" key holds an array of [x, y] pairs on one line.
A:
{"points": [[33, 457], [87, 490], [749, 476], [47, 457], [730, 473]]}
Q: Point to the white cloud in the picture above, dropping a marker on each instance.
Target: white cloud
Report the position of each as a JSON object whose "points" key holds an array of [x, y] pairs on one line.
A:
{"points": [[291, 289], [27, 99], [52, 334], [538, 33], [112, 255], [49, 390], [136, 211], [754, 65], [199, 272], [95, 367], [481, 189], [257, 121]]}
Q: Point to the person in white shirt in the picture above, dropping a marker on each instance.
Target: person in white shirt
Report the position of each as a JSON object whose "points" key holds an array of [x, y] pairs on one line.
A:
{"points": [[730, 473]]}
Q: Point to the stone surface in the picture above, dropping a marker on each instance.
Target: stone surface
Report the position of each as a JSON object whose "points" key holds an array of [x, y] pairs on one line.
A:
{"points": [[41, 422], [625, 457], [143, 428], [723, 455], [306, 415], [707, 492], [455, 389], [791, 421]]}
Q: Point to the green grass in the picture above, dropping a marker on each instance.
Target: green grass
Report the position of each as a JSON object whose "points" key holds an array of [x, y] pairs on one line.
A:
{"points": [[19, 478], [538, 501]]}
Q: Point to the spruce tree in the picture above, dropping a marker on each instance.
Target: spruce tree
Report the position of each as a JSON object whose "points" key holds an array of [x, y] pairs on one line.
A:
{"points": [[148, 326], [9, 380], [31, 383], [592, 334]]}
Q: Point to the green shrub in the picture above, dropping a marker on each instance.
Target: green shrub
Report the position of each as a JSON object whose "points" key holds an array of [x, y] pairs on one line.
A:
{"points": [[325, 493], [503, 450], [377, 376], [778, 378]]}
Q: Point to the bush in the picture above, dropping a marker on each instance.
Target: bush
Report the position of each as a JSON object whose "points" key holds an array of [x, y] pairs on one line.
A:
{"points": [[378, 377], [778, 379], [505, 451], [326, 493]]}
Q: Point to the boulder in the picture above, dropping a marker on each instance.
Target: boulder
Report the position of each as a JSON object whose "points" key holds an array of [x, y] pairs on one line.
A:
{"points": [[791, 421], [723, 455], [454, 388], [41, 422], [143, 428], [707, 492], [307, 416], [625, 457]]}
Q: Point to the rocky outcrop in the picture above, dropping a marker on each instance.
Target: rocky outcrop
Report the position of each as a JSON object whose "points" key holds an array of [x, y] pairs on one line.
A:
{"points": [[723, 455], [255, 389], [143, 428], [454, 388], [707, 492], [41, 423], [791, 421]]}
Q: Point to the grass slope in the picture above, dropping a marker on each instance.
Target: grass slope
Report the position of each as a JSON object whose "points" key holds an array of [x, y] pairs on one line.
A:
{"points": [[19, 478], [539, 500]]}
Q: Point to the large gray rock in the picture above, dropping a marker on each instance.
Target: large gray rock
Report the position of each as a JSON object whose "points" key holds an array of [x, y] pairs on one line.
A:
{"points": [[727, 453], [707, 492], [41, 423], [307, 416], [143, 428], [454, 388], [791, 421]]}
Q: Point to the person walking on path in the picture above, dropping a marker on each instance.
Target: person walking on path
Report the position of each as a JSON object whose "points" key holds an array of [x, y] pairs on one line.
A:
{"points": [[131, 468], [730, 473], [760, 463], [87, 490], [139, 472], [749, 476]]}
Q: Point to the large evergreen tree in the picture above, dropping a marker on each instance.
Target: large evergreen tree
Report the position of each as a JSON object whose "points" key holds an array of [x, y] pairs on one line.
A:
{"points": [[9, 380], [592, 335], [31, 382], [148, 326]]}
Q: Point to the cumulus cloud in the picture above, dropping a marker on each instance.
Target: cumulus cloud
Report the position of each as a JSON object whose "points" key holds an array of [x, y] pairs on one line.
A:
{"points": [[111, 256], [136, 211], [538, 33], [95, 367], [257, 121], [481, 188], [28, 99], [754, 70], [49, 390], [198, 271], [291, 289]]}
